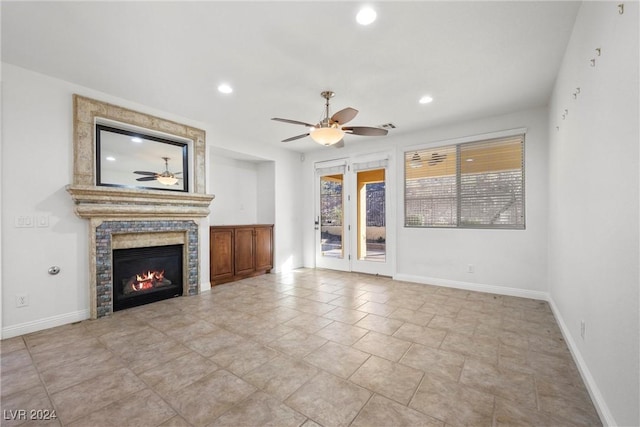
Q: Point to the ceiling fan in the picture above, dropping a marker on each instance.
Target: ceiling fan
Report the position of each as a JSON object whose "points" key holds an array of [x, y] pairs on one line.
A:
{"points": [[331, 130], [166, 177]]}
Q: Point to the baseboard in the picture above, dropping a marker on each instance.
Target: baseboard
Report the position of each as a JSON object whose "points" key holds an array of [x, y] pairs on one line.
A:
{"points": [[469, 286], [598, 400], [41, 324]]}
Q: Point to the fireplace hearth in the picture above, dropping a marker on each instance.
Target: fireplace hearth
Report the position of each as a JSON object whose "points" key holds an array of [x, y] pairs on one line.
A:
{"points": [[145, 275]]}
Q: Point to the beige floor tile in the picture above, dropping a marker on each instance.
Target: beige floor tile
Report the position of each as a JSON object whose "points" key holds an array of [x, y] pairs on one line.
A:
{"points": [[206, 399], [337, 359], [60, 336], [508, 413], [390, 379], [176, 421], [96, 393], [76, 371], [329, 400], [195, 329], [142, 359], [281, 376], [508, 384], [348, 302], [486, 359], [377, 308], [34, 398], [178, 373], [345, 315], [308, 323], [297, 343], [474, 347], [210, 344], [435, 307], [380, 411], [15, 360], [420, 318], [453, 403], [260, 409], [376, 297], [267, 333], [280, 314], [139, 409], [434, 362], [465, 327], [380, 324], [244, 357], [342, 333], [421, 334], [19, 379], [383, 345], [71, 352], [12, 344]]}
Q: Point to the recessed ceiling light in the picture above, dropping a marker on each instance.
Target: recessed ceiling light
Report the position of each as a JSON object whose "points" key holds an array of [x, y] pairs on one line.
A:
{"points": [[366, 16], [425, 99], [225, 88], [136, 139], [111, 158]]}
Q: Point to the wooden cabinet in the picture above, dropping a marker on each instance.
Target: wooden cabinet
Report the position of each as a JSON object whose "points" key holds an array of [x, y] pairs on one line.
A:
{"points": [[239, 251]]}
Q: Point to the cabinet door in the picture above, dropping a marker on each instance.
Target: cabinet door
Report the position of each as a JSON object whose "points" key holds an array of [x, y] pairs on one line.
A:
{"points": [[244, 251], [221, 254], [264, 248]]}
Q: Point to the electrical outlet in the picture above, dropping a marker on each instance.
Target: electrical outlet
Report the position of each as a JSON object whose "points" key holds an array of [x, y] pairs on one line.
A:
{"points": [[583, 327], [23, 221], [471, 268], [22, 300]]}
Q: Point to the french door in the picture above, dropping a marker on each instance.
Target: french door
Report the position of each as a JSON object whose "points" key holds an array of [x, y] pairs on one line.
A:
{"points": [[352, 215]]}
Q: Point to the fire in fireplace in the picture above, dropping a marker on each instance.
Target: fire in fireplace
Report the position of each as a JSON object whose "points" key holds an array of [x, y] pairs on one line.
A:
{"points": [[145, 275]]}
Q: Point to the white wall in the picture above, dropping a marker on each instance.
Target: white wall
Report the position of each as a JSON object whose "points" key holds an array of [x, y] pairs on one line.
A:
{"points": [[593, 213], [505, 261], [235, 185], [37, 164]]}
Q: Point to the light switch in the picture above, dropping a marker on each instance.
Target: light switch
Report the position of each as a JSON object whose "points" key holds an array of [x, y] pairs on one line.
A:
{"points": [[43, 221]]}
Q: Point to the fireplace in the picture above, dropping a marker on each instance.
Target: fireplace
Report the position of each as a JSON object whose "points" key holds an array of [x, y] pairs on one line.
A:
{"points": [[134, 217], [145, 275]]}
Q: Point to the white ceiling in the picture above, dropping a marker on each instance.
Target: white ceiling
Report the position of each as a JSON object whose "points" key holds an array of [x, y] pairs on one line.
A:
{"points": [[476, 59]]}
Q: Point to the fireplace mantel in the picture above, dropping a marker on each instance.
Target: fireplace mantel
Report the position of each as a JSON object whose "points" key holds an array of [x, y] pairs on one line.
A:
{"points": [[115, 202]]}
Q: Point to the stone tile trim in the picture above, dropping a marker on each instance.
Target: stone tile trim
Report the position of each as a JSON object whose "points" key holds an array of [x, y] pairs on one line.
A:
{"points": [[103, 256]]}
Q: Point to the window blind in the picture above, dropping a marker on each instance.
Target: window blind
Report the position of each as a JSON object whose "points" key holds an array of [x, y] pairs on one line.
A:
{"points": [[473, 185]]}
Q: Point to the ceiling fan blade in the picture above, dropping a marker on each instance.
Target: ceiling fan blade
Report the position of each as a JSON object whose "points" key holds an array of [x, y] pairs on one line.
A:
{"points": [[146, 178], [293, 138], [145, 173], [365, 131], [293, 122], [339, 144], [343, 116]]}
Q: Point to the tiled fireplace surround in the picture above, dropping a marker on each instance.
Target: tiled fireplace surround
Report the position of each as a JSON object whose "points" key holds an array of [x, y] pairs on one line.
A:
{"points": [[121, 218]]}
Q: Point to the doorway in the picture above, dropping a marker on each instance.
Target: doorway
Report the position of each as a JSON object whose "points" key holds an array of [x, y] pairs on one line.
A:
{"points": [[352, 215]]}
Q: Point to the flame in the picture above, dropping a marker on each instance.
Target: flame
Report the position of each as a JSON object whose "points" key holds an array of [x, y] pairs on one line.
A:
{"points": [[147, 280]]}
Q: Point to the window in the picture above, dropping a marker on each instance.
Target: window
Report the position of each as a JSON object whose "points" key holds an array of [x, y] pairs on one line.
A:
{"points": [[471, 185]]}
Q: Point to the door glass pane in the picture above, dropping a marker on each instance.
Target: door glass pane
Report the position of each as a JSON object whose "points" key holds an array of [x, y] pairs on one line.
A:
{"points": [[331, 215], [372, 232]]}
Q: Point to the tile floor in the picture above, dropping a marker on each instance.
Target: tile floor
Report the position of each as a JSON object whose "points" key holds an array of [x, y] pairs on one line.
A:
{"points": [[311, 347]]}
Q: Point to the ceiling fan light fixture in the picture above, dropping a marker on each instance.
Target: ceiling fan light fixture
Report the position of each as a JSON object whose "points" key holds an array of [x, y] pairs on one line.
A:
{"points": [[416, 161], [327, 135], [426, 99], [366, 16], [167, 180]]}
